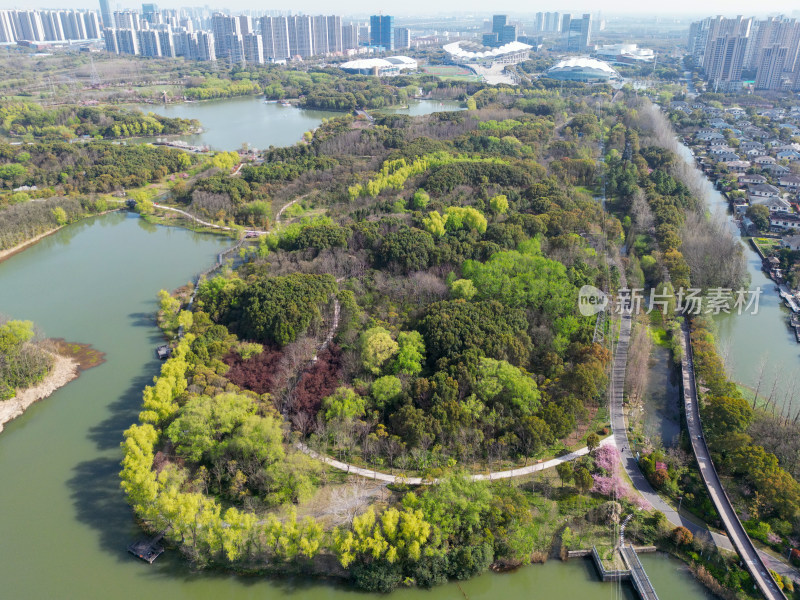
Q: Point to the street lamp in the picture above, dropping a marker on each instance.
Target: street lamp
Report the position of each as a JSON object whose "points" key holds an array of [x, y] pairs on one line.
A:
{"points": [[680, 501]]}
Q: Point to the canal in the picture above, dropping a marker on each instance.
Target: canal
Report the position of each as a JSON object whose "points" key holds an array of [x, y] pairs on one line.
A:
{"points": [[229, 123], [748, 341], [64, 523]]}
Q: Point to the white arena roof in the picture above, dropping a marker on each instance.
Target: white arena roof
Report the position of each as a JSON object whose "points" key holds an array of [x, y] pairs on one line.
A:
{"points": [[457, 51], [582, 68], [365, 64]]}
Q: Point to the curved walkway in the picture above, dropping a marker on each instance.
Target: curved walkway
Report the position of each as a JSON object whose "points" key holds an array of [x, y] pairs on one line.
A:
{"points": [[741, 541], [212, 225], [492, 476]]}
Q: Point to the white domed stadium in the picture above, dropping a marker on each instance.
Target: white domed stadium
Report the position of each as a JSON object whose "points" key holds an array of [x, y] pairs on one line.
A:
{"points": [[582, 69]]}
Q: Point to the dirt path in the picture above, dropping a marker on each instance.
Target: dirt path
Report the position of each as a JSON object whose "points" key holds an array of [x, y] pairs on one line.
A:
{"points": [[64, 370]]}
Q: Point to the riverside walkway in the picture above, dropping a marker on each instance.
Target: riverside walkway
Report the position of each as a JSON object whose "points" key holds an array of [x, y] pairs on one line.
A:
{"points": [[736, 533]]}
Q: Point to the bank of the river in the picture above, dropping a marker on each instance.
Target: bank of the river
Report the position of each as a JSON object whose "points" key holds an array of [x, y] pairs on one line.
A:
{"points": [[64, 514], [748, 341], [4, 254], [64, 370]]}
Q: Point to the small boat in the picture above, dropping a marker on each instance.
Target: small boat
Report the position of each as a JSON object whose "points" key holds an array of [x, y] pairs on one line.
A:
{"points": [[286, 104], [270, 101]]}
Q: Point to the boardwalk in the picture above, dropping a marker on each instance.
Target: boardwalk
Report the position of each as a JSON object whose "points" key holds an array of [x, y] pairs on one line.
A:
{"points": [[640, 580], [741, 542]]}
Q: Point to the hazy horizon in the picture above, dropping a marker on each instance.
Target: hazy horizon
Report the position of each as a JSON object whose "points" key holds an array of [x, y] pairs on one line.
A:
{"points": [[457, 8]]}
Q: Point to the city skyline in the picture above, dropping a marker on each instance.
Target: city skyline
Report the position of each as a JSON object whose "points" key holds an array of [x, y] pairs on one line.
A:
{"points": [[419, 8]]}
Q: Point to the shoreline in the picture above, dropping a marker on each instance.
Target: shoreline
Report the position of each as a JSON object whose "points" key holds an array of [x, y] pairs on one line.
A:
{"points": [[8, 253], [65, 369]]}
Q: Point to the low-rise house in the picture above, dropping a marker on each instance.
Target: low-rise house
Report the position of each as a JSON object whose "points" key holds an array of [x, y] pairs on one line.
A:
{"points": [[727, 157], [737, 166], [707, 136], [751, 145], [739, 206], [764, 160], [775, 205], [719, 142], [788, 221], [790, 155], [791, 182], [764, 190], [775, 170], [752, 178], [792, 242], [755, 152]]}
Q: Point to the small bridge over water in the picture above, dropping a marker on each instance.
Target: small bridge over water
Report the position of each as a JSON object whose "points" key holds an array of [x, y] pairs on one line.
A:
{"points": [[634, 572]]}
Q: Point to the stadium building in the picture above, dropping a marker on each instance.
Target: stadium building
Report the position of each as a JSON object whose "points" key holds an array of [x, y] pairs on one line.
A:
{"points": [[582, 69], [471, 53], [382, 67]]}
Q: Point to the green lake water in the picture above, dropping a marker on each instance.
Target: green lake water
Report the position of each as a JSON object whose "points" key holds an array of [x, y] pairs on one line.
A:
{"points": [[230, 122]]}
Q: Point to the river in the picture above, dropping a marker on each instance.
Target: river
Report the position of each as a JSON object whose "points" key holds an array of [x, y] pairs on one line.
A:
{"points": [[229, 123], [745, 341], [64, 523]]}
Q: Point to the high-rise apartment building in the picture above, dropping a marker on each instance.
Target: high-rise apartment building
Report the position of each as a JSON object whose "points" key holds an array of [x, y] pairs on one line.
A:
{"points": [[105, 13], [127, 41], [578, 32], [402, 38], [275, 38], [770, 69], [253, 48], [149, 44], [381, 31]]}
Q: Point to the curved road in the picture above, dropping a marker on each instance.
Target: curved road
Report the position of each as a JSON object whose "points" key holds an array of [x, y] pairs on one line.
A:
{"points": [[738, 536]]}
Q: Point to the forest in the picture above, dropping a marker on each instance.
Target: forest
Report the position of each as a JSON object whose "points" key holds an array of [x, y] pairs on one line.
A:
{"points": [[415, 313], [29, 121]]}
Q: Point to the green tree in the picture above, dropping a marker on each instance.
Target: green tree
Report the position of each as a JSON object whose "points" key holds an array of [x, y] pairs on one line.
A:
{"points": [[410, 353], [565, 472], [60, 215], [385, 390], [377, 346], [592, 442], [463, 288], [499, 204], [343, 404], [759, 215], [583, 479]]}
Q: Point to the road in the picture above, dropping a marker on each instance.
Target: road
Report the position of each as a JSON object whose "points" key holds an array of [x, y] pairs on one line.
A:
{"points": [[736, 533]]}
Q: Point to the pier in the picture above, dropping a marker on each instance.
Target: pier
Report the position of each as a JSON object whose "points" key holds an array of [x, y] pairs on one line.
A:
{"points": [[148, 550]]}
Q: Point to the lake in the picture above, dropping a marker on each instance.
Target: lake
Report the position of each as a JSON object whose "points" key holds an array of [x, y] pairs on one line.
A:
{"points": [[229, 123]]}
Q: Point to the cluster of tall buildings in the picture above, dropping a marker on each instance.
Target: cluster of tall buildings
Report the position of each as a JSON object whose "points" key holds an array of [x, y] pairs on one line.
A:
{"points": [[502, 32], [575, 32], [726, 48], [243, 38], [48, 25]]}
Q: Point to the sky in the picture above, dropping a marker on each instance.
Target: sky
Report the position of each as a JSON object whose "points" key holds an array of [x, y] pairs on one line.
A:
{"points": [[424, 7]]}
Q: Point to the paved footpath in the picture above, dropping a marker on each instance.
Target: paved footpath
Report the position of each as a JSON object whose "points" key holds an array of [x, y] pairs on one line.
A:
{"points": [[493, 476]]}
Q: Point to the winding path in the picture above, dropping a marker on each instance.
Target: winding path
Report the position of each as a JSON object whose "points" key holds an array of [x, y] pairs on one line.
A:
{"points": [[491, 476]]}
